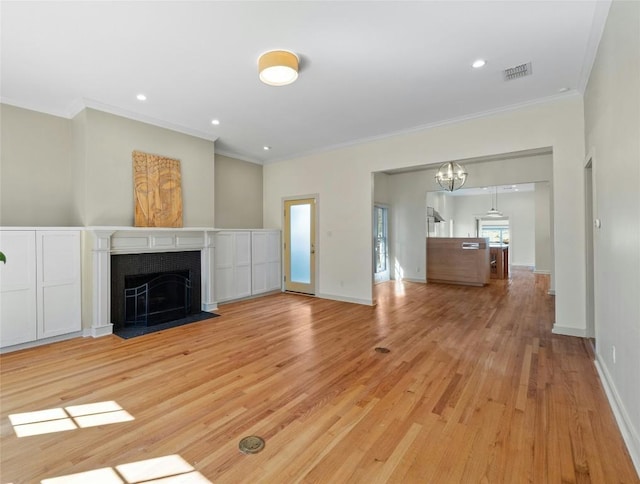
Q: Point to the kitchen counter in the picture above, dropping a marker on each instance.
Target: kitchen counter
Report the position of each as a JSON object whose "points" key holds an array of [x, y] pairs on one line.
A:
{"points": [[458, 260]]}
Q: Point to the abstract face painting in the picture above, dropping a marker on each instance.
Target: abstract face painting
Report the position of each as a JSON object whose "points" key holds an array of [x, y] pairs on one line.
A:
{"points": [[157, 191]]}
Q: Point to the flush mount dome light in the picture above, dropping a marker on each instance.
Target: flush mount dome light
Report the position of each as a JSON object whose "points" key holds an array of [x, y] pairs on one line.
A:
{"points": [[451, 176], [278, 67]]}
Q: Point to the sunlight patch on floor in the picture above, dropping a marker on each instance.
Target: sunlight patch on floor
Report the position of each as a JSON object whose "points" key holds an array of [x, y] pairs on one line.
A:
{"points": [[68, 418], [170, 469]]}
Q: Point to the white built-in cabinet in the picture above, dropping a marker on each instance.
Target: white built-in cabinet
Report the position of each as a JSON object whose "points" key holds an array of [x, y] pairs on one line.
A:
{"points": [[40, 285], [247, 263], [265, 261]]}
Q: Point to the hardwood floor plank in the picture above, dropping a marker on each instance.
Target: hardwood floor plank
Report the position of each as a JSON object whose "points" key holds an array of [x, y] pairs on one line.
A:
{"points": [[475, 388]]}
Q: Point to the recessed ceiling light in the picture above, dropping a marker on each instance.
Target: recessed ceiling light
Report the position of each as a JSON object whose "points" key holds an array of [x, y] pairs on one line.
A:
{"points": [[478, 63], [266, 148], [141, 97], [215, 122]]}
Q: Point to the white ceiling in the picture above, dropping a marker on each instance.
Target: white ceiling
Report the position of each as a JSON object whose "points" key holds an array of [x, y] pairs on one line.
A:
{"points": [[368, 69]]}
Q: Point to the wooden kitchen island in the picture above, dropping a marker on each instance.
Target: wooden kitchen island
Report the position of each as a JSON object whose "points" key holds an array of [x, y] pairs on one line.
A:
{"points": [[458, 260]]}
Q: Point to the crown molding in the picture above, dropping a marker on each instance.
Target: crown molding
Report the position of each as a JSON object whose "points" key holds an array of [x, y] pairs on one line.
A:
{"points": [[451, 121]]}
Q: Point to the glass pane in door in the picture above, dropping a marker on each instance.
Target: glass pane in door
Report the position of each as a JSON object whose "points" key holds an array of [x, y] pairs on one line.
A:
{"points": [[301, 243]]}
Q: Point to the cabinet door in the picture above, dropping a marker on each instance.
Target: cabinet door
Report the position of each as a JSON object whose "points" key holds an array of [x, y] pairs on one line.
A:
{"points": [[58, 282], [223, 263], [242, 273], [273, 261], [258, 262], [18, 287]]}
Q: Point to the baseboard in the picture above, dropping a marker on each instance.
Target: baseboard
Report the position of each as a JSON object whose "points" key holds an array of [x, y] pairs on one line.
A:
{"points": [[333, 297], [98, 331], [209, 307], [567, 331], [540, 271], [551, 292], [412, 279], [40, 342], [253, 296], [629, 434]]}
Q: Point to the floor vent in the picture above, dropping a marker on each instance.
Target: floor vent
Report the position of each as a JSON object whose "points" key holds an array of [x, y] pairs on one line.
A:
{"points": [[251, 445], [517, 72]]}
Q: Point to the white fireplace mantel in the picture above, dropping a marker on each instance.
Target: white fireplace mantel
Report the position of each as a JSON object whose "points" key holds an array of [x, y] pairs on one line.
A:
{"points": [[106, 241]]}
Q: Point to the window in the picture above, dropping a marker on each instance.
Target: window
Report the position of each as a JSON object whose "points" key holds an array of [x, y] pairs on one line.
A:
{"points": [[496, 231]]}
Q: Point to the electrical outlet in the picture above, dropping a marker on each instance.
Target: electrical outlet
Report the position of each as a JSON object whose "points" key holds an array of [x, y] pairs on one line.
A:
{"points": [[613, 353]]}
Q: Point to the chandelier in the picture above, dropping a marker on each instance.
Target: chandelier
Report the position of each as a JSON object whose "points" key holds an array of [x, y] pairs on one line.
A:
{"points": [[451, 176]]}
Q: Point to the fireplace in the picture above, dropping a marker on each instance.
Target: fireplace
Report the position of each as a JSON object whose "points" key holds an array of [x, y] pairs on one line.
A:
{"points": [[156, 298], [148, 289]]}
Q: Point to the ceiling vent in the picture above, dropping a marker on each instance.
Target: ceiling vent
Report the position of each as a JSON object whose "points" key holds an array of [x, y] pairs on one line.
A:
{"points": [[517, 72]]}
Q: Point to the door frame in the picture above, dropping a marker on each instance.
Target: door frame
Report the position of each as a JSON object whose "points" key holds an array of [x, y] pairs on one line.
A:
{"points": [[316, 198], [591, 247]]}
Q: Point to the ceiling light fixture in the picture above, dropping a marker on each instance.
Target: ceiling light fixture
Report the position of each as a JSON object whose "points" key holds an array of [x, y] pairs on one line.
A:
{"points": [[451, 176], [266, 148], [494, 212], [215, 122], [479, 63], [141, 97], [278, 67]]}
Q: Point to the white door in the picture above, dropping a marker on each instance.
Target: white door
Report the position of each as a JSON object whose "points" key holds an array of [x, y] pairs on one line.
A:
{"points": [[300, 245]]}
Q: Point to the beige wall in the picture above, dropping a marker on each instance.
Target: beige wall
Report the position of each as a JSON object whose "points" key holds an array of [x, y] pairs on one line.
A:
{"points": [[58, 172], [612, 127], [108, 169], [543, 239], [238, 194], [36, 171], [343, 180]]}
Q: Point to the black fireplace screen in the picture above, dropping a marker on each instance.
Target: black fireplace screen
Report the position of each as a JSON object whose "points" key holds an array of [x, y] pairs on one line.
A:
{"points": [[130, 271], [156, 298]]}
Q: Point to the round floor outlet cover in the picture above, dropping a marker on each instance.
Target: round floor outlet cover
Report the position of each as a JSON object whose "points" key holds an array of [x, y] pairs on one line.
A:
{"points": [[380, 349], [251, 445]]}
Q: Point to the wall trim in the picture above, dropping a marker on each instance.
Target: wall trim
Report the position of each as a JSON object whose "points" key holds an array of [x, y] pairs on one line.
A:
{"points": [[354, 300], [98, 331], [629, 434], [569, 331], [209, 307], [541, 271], [40, 342], [413, 279]]}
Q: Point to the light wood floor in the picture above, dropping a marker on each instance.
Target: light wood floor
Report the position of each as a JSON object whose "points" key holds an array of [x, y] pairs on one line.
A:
{"points": [[475, 389]]}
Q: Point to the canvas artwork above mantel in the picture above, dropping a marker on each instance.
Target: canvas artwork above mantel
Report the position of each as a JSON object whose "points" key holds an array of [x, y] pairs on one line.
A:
{"points": [[157, 191]]}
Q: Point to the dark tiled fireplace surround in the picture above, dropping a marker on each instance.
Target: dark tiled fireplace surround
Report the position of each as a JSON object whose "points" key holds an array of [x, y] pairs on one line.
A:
{"points": [[123, 266]]}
